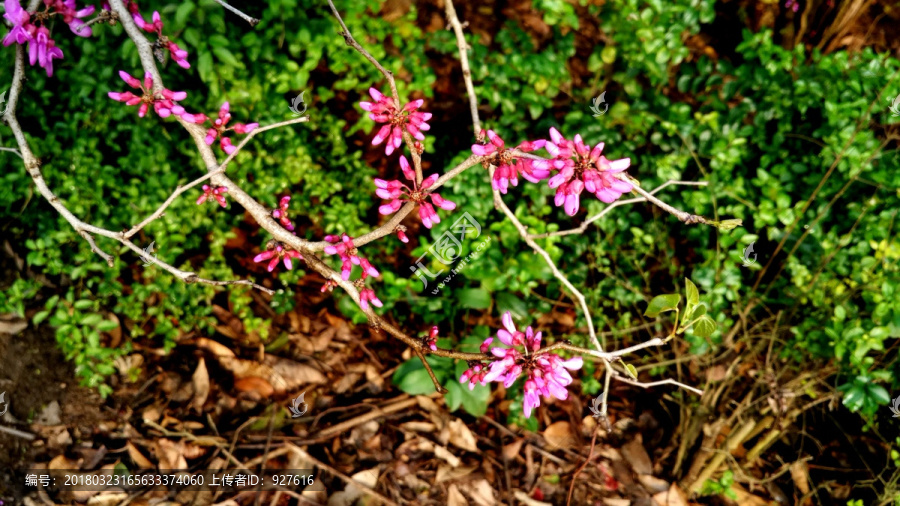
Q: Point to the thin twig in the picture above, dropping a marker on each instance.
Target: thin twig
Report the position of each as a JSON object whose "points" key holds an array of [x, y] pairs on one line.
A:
{"points": [[348, 480], [253, 21], [580, 229], [464, 63]]}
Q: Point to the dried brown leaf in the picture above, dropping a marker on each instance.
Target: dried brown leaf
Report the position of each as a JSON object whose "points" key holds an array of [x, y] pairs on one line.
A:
{"points": [[560, 435], [461, 436], [200, 381]]}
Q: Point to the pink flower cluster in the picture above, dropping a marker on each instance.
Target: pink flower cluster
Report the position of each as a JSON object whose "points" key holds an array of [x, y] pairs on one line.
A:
{"points": [[276, 252], [178, 55], [163, 103], [343, 246], [582, 168], [41, 48], [546, 374], [280, 214], [387, 110], [217, 193], [578, 168], [508, 165], [220, 126], [396, 192]]}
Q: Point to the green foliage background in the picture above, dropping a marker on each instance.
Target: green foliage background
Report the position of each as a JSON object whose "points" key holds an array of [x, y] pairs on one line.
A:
{"points": [[762, 127]]}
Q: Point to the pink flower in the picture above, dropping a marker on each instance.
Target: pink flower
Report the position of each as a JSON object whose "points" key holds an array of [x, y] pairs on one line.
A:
{"points": [[20, 32], [396, 192], [71, 15], [401, 234], [546, 374], [42, 50], [367, 296], [386, 110], [431, 340], [343, 247], [508, 165], [581, 168], [281, 213], [474, 375], [217, 193], [164, 103], [179, 56], [220, 126], [328, 286], [276, 254]]}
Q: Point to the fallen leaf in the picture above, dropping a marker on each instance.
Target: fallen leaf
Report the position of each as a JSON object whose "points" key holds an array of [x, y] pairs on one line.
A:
{"points": [[200, 380], [137, 457], [673, 497], [636, 455], [461, 436], [560, 435], [528, 500], [652, 484], [445, 454], [107, 499], [170, 455], [446, 472], [514, 449], [12, 324], [482, 493], [455, 497]]}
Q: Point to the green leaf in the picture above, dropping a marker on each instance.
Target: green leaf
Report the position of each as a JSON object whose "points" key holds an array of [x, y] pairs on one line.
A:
{"points": [[412, 378], [631, 370], [729, 224], [661, 304], [692, 295], [474, 298], [704, 327], [39, 317]]}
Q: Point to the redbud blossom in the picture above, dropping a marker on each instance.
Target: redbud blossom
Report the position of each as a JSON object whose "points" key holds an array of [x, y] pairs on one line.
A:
{"points": [[431, 340], [217, 193], [387, 110], [20, 33], [581, 168], [41, 48], [343, 246], [276, 254], [367, 296], [163, 103], [328, 286], [546, 374], [280, 214], [220, 127], [178, 55], [508, 165], [401, 234], [397, 192]]}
